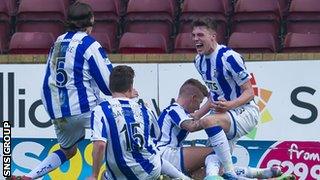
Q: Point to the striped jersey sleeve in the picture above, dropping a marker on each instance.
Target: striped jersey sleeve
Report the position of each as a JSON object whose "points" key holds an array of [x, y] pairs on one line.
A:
{"points": [[235, 65], [178, 115], [154, 127], [98, 126], [171, 133], [99, 65]]}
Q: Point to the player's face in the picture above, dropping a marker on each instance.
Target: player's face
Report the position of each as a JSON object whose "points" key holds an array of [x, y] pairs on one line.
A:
{"points": [[196, 101], [204, 39]]}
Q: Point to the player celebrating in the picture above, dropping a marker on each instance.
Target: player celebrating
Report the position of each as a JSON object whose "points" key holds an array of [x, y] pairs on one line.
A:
{"points": [[177, 120], [225, 74], [77, 69], [121, 130]]}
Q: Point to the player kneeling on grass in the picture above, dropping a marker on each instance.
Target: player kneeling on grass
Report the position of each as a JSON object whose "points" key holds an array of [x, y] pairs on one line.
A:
{"points": [[121, 132], [176, 121]]}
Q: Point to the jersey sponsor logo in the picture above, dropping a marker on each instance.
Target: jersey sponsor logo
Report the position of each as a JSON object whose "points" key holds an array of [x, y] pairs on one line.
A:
{"points": [[213, 86]]}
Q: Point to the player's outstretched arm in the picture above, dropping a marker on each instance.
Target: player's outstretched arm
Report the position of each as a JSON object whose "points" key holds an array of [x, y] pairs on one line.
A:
{"points": [[191, 125], [99, 141], [97, 155]]}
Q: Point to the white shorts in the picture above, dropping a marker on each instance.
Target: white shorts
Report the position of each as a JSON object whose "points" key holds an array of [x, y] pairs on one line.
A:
{"points": [[242, 120], [175, 156], [70, 130]]}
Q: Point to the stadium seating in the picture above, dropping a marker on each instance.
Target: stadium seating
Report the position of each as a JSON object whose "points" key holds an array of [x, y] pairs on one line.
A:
{"points": [[284, 6], [103, 39], [107, 18], [184, 44], [213, 9], [31, 43], [1, 48], [252, 42], [228, 6], [104, 9], [12, 6], [142, 43], [66, 3], [295, 42], [304, 16], [261, 16], [123, 6], [4, 25], [252, 13], [4, 12], [145, 16], [171, 19], [176, 6], [119, 7], [41, 16]]}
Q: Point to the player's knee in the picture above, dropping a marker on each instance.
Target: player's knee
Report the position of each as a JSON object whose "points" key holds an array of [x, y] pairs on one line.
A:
{"points": [[209, 121]]}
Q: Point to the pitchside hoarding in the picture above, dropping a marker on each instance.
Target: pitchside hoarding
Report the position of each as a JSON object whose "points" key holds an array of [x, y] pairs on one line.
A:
{"points": [[287, 93]]}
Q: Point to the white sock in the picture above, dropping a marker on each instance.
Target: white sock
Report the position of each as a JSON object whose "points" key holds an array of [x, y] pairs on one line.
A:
{"points": [[212, 165], [168, 169], [251, 172], [221, 147], [50, 163]]}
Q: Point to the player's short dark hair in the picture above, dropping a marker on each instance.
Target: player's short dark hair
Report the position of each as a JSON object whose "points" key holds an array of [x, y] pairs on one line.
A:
{"points": [[206, 21], [79, 16], [121, 78], [185, 88]]}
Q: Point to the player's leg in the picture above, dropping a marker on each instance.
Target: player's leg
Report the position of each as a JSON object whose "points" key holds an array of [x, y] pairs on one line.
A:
{"points": [[214, 126], [51, 162], [168, 169], [69, 131], [194, 160], [213, 166], [261, 173], [244, 120], [174, 155]]}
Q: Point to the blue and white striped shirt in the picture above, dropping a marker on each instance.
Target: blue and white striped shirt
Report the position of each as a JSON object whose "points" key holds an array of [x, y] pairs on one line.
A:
{"points": [[77, 70], [223, 71], [125, 126], [169, 122]]}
